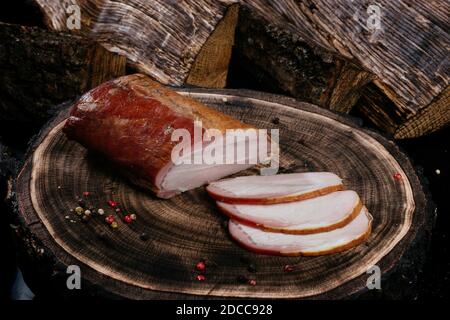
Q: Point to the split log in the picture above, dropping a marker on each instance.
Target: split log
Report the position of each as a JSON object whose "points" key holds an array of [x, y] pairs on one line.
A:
{"points": [[383, 112], [185, 229], [407, 56], [280, 61], [174, 41], [41, 68]]}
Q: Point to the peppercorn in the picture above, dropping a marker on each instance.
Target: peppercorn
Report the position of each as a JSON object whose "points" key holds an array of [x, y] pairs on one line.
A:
{"points": [[200, 266], [143, 236], [201, 277], [109, 219], [251, 268], [397, 176], [112, 203], [101, 235], [127, 219]]}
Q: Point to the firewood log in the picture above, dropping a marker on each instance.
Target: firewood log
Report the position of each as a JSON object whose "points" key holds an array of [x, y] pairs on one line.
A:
{"points": [[406, 53], [41, 68], [173, 41]]}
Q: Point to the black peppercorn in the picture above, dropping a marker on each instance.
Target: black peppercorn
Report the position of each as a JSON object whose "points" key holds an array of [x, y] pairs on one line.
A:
{"points": [[143, 236], [251, 268], [242, 279]]}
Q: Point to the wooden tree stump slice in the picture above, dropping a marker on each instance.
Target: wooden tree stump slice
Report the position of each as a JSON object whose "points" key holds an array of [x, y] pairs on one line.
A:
{"points": [[187, 228]]}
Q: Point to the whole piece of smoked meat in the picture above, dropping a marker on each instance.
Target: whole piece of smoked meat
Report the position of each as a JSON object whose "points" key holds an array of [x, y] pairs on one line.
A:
{"points": [[130, 121]]}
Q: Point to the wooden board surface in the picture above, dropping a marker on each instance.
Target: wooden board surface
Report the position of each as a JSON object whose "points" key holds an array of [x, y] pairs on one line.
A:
{"points": [[188, 228]]}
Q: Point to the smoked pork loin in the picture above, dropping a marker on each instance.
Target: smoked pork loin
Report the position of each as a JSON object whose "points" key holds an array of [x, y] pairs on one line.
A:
{"points": [[130, 121], [292, 214]]}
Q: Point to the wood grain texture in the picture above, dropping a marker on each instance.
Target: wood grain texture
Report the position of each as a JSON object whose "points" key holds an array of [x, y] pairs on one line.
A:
{"points": [[41, 68], [414, 74], [435, 116], [160, 37], [210, 69], [281, 60], [188, 227], [408, 55]]}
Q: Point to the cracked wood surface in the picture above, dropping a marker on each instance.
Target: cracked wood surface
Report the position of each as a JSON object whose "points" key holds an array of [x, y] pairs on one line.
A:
{"points": [[161, 38]]}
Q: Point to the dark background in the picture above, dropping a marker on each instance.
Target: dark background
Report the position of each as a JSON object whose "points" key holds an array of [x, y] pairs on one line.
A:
{"points": [[428, 153]]}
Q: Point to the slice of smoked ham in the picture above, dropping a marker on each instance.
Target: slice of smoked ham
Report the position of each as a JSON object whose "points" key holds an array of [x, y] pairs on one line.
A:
{"points": [[337, 240], [314, 215], [274, 189], [130, 121]]}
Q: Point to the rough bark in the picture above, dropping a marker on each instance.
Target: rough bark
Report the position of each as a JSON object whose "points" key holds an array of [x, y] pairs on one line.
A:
{"points": [[39, 69], [280, 60]]}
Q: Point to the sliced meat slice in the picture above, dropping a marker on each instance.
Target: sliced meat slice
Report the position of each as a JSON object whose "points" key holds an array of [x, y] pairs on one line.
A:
{"points": [[274, 189], [314, 215], [337, 240]]}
